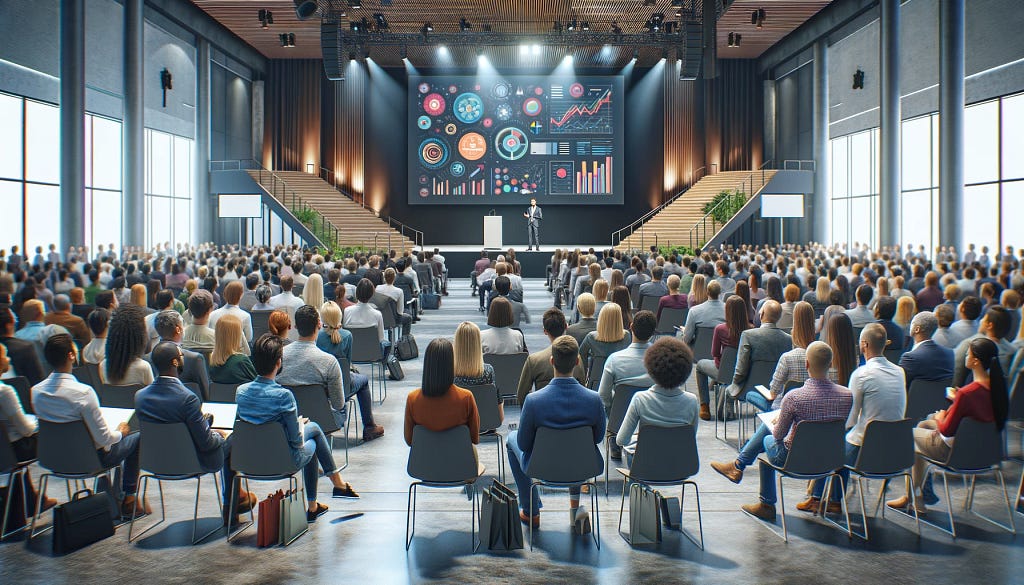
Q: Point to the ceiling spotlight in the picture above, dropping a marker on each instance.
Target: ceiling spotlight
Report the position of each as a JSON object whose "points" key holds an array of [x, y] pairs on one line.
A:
{"points": [[427, 28], [585, 25], [572, 25], [287, 40], [366, 53], [305, 8], [405, 53], [464, 24], [479, 51], [355, 3], [442, 50], [734, 39], [757, 17], [654, 23], [636, 54], [352, 56], [616, 29], [266, 18], [557, 27], [380, 21], [664, 54]]}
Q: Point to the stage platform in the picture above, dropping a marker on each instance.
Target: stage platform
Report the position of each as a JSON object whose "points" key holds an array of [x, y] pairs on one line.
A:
{"points": [[460, 258]]}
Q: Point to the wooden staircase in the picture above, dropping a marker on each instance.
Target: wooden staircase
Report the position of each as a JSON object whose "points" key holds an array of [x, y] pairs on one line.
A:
{"points": [[358, 226], [671, 225]]}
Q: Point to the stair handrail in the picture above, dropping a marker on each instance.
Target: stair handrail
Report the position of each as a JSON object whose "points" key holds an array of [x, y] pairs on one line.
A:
{"points": [[288, 197], [616, 238], [700, 228], [331, 178]]}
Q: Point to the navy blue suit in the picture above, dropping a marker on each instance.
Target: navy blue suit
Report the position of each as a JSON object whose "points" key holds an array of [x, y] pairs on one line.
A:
{"points": [[167, 400], [927, 361], [894, 333]]}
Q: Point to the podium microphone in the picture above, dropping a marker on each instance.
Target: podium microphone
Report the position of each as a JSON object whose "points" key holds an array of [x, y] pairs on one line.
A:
{"points": [[492, 212]]}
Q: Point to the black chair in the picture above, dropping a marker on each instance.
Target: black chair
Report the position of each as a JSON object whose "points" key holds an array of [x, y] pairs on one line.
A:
{"points": [[260, 323], [760, 372], [818, 452], [669, 320], [366, 350], [649, 303], [15, 471], [702, 343], [117, 396], [622, 395], [726, 369], [488, 405], [223, 392], [508, 368], [564, 458], [24, 391], [925, 397], [664, 456], [313, 403], [167, 453], [595, 370], [893, 354]]}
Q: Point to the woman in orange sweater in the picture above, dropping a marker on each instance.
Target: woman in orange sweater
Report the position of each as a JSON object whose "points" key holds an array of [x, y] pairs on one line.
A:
{"points": [[440, 405]]}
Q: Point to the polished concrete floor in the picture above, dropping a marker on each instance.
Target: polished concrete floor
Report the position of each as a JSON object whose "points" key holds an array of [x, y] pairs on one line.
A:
{"points": [[362, 541]]}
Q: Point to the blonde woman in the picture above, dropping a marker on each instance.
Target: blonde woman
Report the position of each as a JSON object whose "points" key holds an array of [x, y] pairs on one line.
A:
{"points": [[698, 291], [470, 369], [600, 295], [139, 297], [313, 292], [228, 365], [609, 338], [881, 291], [818, 298], [906, 308]]}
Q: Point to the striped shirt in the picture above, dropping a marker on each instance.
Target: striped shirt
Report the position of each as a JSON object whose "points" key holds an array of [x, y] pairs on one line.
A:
{"points": [[816, 400], [792, 367]]}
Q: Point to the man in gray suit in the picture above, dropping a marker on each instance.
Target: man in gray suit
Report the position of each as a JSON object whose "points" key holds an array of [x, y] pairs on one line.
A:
{"points": [[503, 288], [764, 344], [533, 215], [707, 314], [170, 327]]}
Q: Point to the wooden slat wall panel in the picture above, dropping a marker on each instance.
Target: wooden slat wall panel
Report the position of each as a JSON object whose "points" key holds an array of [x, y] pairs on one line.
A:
{"points": [[292, 135], [684, 131], [343, 127]]}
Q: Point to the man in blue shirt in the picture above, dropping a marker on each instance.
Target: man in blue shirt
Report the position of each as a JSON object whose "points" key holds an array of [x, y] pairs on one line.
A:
{"points": [[562, 404]]}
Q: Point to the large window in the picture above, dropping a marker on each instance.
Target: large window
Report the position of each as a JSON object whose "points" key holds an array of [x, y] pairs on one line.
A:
{"points": [[854, 166], [168, 189]]}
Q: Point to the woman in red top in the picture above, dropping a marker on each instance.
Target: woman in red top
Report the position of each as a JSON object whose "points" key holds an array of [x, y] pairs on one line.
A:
{"points": [[725, 335], [985, 400]]}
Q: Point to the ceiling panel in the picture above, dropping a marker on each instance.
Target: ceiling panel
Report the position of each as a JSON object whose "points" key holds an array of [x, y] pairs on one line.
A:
{"points": [[781, 18]]}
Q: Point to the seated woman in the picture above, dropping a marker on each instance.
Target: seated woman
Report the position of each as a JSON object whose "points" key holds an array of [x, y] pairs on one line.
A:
{"points": [[228, 365], [698, 290], [470, 369], [126, 343], [263, 400], [263, 294], [792, 366], [439, 404], [601, 295], [500, 338], [725, 335], [335, 340], [620, 297], [609, 338], [673, 300], [985, 400], [95, 351], [280, 325], [669, 362]]}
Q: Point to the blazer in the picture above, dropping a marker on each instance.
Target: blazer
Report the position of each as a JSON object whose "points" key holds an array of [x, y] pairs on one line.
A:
{"points": [[927, 361], [195, 371], [707, 314], [579, 330], [766, 343], [24, 359], [167, 400], [538, 373], [561, 404]]}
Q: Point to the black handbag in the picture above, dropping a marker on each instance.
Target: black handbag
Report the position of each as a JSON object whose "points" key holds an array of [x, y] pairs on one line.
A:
{"points": [[407, 348], [81, 522], [500, 527], [395, 371]]}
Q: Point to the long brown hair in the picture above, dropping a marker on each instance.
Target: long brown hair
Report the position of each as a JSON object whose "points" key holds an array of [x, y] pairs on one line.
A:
{"points": [[839, 332], [620, 296], [736, 318], [803, 324]]}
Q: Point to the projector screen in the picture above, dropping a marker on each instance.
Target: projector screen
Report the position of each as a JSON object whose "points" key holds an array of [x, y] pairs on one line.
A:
{"points": [[239, 206], [500, 140], [779, 205]]}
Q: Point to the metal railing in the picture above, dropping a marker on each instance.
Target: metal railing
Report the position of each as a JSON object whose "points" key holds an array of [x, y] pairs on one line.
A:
{"points": [[617, 235], [707, 226]]}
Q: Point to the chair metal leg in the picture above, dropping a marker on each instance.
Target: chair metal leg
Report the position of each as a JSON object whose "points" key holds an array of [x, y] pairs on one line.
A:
{"points": [[622, 508], [40, 494], [913, 504], [597, 513], [607, 460], [782, 507], [235, 491], [700, 519], [17, 475], [533, 484], [1012, 527], [144, 479], [473, 541], [827, 495], [410, 505]]}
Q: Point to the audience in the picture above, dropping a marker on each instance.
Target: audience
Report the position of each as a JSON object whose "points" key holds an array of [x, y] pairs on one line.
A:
{"points": [[95, 351], [673, 299], [608, 338], [232, 296], [363, 314], [24, 360], [537, 371], [34, 329], [439, 404], [586, 306], [765, 344], [840, 339], [707, 314], [127, 342], [228, 365], [280, 325], [21, 431], [927, 360], [725, 335], [61, 316], [170, 328], [791, 369], [500, 338], [993, 327]]}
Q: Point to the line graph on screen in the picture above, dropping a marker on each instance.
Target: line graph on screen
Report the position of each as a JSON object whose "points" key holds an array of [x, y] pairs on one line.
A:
{"points": [[588, 113]]}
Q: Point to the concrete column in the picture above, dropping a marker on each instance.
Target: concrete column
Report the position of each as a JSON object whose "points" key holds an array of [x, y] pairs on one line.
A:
{"points": [[72, 123], [202, 208], [951, 123], [770, 122], [889, 212], [821, 208], [133, 215]]}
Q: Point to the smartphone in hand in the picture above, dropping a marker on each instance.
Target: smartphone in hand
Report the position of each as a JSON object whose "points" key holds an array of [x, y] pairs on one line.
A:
{"points": [[950, 393]]}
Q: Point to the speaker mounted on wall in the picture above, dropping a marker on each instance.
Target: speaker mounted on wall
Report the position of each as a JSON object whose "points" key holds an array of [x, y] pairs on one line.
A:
{"points": [[693, 51], [333, 53]]}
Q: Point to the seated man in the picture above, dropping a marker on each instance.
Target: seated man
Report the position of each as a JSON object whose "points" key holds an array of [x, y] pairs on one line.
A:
{"points": [[60, 398], [562, 404], [537, 371], [626, 366], [36, 331], [927, 360], [766, 343], [62, 317], [817, 400], [363, 314], [585, 306], [993, 326], [885, 310], [656, 287], [707, 314], [503, 288], [167, 400], [944, 314], [170, 327], [387, 302], [966, 324], [306, 364], [22, 354], [861, 315]]}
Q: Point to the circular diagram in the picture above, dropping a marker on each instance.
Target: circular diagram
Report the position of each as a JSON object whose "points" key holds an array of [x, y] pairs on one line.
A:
{"points": [[468, 108], [576, 90], [424, 87], [501, 90], [487, 122], [457, 169], [423, 122], [503, 112], [472, 146], [531, 106], [450, 129], [434, 104], [511, 143], [433, 153], [424, 192]]}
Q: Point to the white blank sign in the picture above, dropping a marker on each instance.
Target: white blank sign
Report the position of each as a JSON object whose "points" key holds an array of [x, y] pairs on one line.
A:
{"points": [[777, 205], [240, 206]]}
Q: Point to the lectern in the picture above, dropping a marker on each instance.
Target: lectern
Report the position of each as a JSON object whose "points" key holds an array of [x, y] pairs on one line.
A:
{"points": [[492, 232]]}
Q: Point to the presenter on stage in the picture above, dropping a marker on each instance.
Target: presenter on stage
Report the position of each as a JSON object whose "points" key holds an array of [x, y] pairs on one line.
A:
{"points": [[533, 216]]}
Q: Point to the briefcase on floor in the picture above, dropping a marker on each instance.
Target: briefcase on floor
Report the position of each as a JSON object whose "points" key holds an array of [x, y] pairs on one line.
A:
{"points": [[81, 522], [431, 301], [407, 348], [293, 517], [268, 521], [395, 371], [499, 518], [644, 521]]}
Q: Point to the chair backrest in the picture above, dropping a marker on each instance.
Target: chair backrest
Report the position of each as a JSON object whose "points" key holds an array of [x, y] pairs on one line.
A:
{"points": [[702, 343], [977, 445], [507, 370], [387, 312], [634, 293], [167, 449], [888, 447], [486, 396], [117, 396], [761, 372], [260, 323], [926, 397], [670, 319], [818, 447], [194, 387], [67, 448], [24, 391], [87, 374], [565, 455], [649, 303], [621, 397], [665, 454], [727, 366], [222, 392], [1017, 399], [261, 450], [893, 354], [8, 459], [365, 345], [313, 404], [595, 370], [443, 457]]}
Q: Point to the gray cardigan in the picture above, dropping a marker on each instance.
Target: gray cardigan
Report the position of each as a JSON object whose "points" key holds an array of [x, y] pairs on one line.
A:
{"points": [[663, 407]]}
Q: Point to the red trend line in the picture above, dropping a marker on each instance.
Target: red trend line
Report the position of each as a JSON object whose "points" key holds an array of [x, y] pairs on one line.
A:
{"points": [[606, 98]]}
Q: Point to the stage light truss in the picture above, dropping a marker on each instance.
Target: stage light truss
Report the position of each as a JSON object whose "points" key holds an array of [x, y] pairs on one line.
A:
{"points": [[579, 38]]}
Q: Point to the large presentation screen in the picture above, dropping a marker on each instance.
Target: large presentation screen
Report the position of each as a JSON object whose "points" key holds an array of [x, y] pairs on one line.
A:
{"points": [[505, 139]]}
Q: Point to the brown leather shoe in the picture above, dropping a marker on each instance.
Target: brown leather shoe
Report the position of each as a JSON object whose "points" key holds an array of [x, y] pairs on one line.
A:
{"points": [[529, 519], [814, 504], [246, 502], [371, 433], [729, 470], [904, 502], [761, 510], [132, 504], [705, 412]]}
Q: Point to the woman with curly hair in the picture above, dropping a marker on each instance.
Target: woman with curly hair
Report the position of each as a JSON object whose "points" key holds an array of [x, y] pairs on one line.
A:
{"points": [[279, 325], [126, 344]]}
